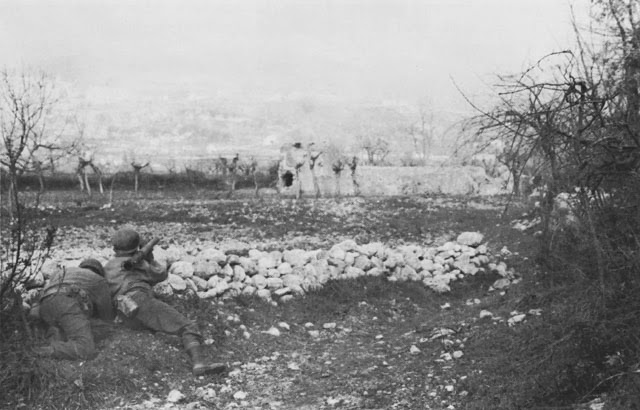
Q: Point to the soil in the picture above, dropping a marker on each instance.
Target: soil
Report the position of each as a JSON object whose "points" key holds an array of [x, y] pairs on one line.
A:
{"points": [[357, 344]]}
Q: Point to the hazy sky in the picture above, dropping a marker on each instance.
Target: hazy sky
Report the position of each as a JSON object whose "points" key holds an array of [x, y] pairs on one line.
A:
{"points": [[352, 49]]}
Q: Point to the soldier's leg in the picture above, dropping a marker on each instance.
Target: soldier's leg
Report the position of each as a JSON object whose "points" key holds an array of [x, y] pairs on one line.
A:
{"points": [[161, 317], [65, 313]]}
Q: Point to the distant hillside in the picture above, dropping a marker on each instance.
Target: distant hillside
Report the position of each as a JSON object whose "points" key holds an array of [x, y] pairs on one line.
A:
{"points": [[173, 132]]}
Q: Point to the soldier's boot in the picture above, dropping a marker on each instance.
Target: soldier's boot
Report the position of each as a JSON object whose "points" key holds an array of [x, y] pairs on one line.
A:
{"points": [[201, 366]]}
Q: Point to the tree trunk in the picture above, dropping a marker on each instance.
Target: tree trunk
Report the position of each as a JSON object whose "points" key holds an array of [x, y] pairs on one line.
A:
{"points": [[256, 185], [135, 181], [41, 181], [81, 180], [86, 183], [299, 188], [356, 186]]}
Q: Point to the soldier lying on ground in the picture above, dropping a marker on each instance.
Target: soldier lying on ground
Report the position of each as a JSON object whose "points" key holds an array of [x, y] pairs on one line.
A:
{"points": [[130, 287], [69, 298]]}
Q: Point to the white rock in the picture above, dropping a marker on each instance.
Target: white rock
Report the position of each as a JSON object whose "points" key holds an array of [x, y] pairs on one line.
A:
{"points": [[314, 333], [249, 290], [282, 291], [213, 281], [221, 287], [414, 349], [191, 285], [372, 249], [285, 268], [439, 284], [501, 284], [375, 272], [284, 325], [350, 258], [176, 282], [310, 271], [274, 283], [457, 354], [330, 325], [239, 395], [291, 280], [293, 366], [470, 238], [347, 245], [265, 263], [264, 294], [286, 298], [239, 273], [351, 272], [516, 319], [337, 253], [200, 283], [259, 281], [296, 257], [249, 265], [412, 261], [163, 289], [213, 255], [273, 331], [485, 313], [182, 268], [362, 262], [205, 269], [255, 254], [393, 260], [175, 396]]}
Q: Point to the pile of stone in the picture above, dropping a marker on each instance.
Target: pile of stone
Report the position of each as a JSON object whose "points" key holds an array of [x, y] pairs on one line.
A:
{"points": [[216, 272], [236, 268]]}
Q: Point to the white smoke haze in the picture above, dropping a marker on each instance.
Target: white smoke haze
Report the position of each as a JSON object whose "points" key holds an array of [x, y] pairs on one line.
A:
{"points": [[268, 61]]}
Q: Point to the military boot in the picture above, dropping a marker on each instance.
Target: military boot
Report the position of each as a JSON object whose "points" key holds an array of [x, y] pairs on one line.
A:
{"points": [[200, 366]]}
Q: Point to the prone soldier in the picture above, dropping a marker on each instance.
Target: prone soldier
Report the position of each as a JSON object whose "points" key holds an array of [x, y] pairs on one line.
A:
{"points": [[131, 274], [69, 298]]}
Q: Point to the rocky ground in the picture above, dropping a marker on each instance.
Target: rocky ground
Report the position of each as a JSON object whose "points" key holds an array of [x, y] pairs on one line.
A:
{"points": [[370, 341]]}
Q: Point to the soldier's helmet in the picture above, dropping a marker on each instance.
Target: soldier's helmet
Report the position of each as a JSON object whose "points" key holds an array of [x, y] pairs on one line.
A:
{"points": [[125, 241], [93, 265]]}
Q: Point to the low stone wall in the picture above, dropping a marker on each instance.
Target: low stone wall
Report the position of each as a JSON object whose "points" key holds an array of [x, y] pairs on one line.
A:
{"points": [[379, 181], [278, 276]]}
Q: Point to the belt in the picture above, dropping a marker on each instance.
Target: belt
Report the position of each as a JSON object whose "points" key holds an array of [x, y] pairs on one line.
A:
{"points": [[72, 291]]}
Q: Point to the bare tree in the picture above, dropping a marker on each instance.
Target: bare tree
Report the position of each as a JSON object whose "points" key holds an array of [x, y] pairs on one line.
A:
{"points": [[81, 172], [375, 148], [352, 163], [27, 101], [232, 172], [137, 168], [422, 133], [250, 168], [314, 156]]}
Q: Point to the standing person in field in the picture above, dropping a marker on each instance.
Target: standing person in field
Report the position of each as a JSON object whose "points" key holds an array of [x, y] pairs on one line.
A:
{"points": [[69, 298], [130, 287]]}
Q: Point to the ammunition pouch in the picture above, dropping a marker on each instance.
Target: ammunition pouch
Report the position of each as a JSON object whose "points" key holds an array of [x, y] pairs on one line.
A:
{"points": [[126, 305]]}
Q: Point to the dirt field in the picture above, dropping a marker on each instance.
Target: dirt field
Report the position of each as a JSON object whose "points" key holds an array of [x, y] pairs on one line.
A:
{"points": [[365, 343]]}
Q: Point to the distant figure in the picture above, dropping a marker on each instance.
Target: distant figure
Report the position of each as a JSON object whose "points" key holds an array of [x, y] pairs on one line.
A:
{"points": [[131, 289], [69, 298]]}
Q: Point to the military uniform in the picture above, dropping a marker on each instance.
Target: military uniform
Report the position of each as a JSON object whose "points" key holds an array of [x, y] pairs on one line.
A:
{"points": [[132, 290], [69, 298]]}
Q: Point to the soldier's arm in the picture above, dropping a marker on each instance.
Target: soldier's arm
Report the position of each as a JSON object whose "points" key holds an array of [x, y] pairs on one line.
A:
{"points": [[157, 273]]}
